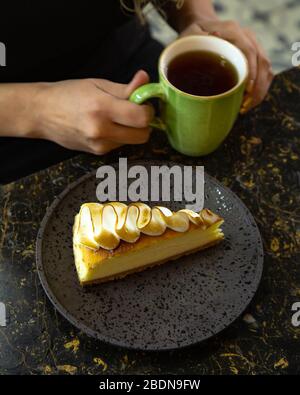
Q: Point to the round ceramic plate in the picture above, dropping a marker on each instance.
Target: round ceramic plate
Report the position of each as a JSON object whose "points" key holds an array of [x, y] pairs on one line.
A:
{"points": [[174, 305]]}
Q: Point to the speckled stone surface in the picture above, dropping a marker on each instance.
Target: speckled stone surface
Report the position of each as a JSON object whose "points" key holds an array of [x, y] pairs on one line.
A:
{"points": [[260, 162], [178, 304]]}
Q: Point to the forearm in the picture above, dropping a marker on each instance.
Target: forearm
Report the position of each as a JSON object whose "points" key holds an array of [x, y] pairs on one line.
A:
{"points": [[17, 109], [191, 11]]}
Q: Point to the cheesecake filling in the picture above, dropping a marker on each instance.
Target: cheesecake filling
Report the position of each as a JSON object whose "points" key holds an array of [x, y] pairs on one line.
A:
{"points": [[139, 258]]}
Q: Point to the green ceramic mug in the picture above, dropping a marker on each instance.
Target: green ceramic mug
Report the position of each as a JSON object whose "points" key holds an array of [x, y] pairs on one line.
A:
{"points": [[195, 125]]}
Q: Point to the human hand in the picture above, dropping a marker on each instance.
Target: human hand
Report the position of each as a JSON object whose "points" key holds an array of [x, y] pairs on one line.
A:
{"points": [[260, 69], [92, 115]]}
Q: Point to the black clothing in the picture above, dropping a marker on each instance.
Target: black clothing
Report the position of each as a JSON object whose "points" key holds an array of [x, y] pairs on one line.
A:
{"points": [[54, 36], [62, 45]]}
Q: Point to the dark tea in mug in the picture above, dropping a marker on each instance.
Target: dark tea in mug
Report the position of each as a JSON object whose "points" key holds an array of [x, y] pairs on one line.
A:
{"points": [[202, 73]]}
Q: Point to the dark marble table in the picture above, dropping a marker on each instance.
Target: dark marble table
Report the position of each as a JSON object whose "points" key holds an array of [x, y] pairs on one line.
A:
{"points": [[260, 162]]}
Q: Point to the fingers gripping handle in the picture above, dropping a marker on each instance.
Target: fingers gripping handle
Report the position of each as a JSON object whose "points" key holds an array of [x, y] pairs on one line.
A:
{"points": [[146, 92]]}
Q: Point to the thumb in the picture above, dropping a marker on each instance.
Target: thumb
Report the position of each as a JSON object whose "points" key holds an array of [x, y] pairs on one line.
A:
{"points": [[123, 91], [140, 78]]}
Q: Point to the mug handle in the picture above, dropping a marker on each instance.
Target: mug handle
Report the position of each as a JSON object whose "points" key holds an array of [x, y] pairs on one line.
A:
{"points": [[146, 92]]}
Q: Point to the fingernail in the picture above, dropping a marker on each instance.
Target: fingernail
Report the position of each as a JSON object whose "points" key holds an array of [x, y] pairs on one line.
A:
{"points": [[247, 102], [216, 33], [250, 86]]}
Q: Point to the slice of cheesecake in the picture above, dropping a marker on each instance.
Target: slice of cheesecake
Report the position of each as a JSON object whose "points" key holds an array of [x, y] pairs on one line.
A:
{"points": [[112, 240]]}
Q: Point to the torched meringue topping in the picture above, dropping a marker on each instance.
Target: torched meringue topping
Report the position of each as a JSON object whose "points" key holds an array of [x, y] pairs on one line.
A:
{"points": [[105, 225]]}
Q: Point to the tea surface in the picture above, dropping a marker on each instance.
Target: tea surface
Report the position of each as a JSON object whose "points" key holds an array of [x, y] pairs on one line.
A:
{"points": [[202, 73]]}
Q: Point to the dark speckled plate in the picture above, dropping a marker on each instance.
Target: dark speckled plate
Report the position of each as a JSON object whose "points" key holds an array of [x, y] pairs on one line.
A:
{"points": [[171, 306]]}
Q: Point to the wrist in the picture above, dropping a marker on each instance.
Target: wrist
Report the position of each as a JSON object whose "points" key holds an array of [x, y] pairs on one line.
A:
{"points": [[34, 111], [195, 11], [19, 109], [188, 20]]}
